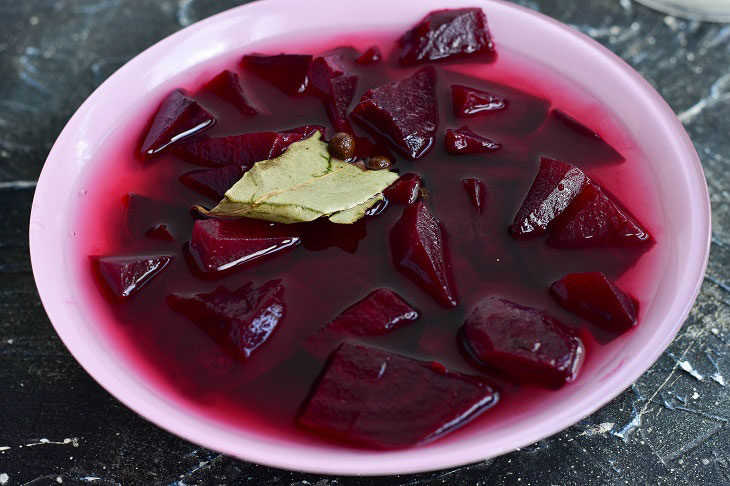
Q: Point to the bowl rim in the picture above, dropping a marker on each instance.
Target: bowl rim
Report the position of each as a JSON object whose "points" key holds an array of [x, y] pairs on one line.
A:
{"points": [[368, 463]]}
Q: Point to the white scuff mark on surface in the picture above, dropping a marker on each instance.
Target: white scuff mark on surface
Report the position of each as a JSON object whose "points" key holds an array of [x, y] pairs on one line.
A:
{"points": [[718, 92], [4, 448], [718, 378], [599, 429], [633, 424], [74, 441], [183, 12], [90, 479], [18, 184], [687, 366], [4, 478]]}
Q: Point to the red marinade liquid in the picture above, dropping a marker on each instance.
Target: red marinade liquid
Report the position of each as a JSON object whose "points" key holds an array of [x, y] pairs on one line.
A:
{"points": [[265, 393]]}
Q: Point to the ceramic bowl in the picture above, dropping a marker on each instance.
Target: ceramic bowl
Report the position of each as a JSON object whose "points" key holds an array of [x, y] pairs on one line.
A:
{"points": [[670, 156]]}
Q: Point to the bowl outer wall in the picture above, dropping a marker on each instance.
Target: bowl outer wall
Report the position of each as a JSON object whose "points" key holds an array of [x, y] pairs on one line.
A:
{"points": [[540, 37]]}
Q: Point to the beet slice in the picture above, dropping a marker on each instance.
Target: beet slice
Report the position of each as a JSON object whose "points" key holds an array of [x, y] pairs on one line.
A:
{"points": [[556, 185], [177, 117], [143, 212], [160, 232], [417, 247], [596, 299], [382, 311], [240, 321], [383, 400], [323, 70], [476, 191], [214, 182], [371, 56], [125, 275], [219, 246], [322, 233], [528, 345], [471, 101], [227, 87], [339, 96], [464, 141], [288, 72], [404, 111], [594, 220], [405, 190], [447, 34]]}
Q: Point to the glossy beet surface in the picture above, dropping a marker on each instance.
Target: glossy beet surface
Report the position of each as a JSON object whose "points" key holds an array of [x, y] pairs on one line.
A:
{"points": [[125, 275], [288, 72], [447, 34], [528, 345], [405, 111], [471, 101], [595, 298], [323, 70], [340, 93], [227, 86], [475, 190], [371, 56], [464, 141], [383, 400], [405, 190]]}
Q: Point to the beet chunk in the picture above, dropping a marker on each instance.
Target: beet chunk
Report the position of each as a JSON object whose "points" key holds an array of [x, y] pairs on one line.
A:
{"points": [[594, 220], [340, 94], [528, 345], [464, 141], [177, 117], [227, 87], [159, 232], [288, 72], [405, 190], [142, 213], [240, 321], [125, 275], [323, 70], [405, 111], [371, 56], [322, 233], [214, 182], [564, 136], [471, 101], [383, 400], [221, 245], [556, 185], [596, 299], [380, 312], [476, 191], [417, 247], [446, 34]]}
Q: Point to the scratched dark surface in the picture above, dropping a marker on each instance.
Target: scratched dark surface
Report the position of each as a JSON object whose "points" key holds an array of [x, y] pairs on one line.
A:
{"points": [[58, 426]]}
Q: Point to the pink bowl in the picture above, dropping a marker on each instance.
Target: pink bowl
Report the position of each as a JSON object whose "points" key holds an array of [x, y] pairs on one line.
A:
{"points": [[669, 153]]}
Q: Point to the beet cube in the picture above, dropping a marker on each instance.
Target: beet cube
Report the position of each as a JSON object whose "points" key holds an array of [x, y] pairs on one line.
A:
{"points": [[471, 101], [528, 345], [594, 220], [227, 86], [322, 233], [371, 56], [383, 400], [177, 117], [464, 141], [405, 112], [160, 232], [405, 190], [214, 182], [142, 213], [476, 191], [125, 275], [323, 70], [340, 94], [417, 247], [596, 299], [556, 185], [222, 245], [444, 34], [288, 72], [380, 312], [240, 321]]}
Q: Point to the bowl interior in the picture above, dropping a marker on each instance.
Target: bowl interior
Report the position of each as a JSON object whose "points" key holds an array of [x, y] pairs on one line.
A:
{"points": [[671, 161]]}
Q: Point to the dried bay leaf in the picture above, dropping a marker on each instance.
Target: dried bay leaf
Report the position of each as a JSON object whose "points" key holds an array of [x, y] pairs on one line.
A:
{"points": [[303, 184]]}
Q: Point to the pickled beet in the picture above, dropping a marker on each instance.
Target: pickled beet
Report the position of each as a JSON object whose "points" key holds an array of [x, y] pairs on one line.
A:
{"points": [[227, 86], [125, 275], [323, 70], [528, 345], [214, 182], [288, 72], [596, 299], [445, 34], [475, 190], [383, 400], [371, 56], [471, 101], [464, 141], [160, 232], [339, 96], [405, 190]]}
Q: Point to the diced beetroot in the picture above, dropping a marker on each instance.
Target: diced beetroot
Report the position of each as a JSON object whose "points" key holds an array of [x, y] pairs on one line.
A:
{"points": [[378, 399], [476, 191], [464, 141], [214, 182], [227, 86], [471, 101], [288, 72], [405, 190], [594, 220], [142, 213], [446, 34], [417, 247], [305, 131], [221, 245], [125, 275], [371, 56], [159, 232], [528, 345], [340, 94], [321, 234], [556, 185], [380, 312], [239, 321], [323, 70], [405, 111], [596, 299], [177, 117]]}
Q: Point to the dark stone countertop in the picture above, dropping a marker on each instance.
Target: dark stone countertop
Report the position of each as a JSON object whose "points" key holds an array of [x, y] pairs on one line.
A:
{"points": [[58, 426]]}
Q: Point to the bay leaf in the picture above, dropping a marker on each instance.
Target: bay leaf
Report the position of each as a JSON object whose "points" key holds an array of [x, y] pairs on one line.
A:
{"points": [[303, 184]]}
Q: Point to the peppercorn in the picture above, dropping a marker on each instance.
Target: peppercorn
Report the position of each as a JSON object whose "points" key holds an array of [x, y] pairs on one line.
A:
{"points": [[342, 146], [378, 162]]}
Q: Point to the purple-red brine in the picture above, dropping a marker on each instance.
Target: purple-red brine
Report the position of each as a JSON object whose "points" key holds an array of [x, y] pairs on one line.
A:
{"points": [[464, 243]]}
